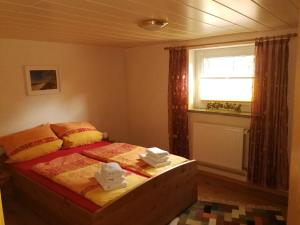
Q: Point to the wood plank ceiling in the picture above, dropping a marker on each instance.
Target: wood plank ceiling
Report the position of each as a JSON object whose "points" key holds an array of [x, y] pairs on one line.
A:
{"points": [[114, 22]]}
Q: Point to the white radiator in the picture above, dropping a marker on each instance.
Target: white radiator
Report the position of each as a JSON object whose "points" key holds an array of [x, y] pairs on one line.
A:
{"points": [[218, 146]]}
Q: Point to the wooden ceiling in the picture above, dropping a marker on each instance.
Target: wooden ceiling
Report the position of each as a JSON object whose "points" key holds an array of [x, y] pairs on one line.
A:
{"points": [[114, 22]]}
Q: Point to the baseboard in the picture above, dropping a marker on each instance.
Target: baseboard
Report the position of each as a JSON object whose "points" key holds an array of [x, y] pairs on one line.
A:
{"points": [[278, 196], [218, 170], [222, 168]]}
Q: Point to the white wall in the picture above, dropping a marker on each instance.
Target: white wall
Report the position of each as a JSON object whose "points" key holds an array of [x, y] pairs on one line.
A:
{"points": [[147, 77], [147, 81], [92, 86], [124, 92]]}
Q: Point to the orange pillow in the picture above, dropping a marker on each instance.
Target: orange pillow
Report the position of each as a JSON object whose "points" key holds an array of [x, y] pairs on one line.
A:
{"points": [[76, 133], [31, 143]]}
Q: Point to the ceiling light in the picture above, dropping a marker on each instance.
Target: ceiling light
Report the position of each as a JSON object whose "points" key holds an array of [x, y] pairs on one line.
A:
{"points": [[153, 24]]}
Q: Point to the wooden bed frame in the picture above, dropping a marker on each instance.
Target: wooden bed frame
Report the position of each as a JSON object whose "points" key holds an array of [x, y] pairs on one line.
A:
{"points": [[155, 202]]}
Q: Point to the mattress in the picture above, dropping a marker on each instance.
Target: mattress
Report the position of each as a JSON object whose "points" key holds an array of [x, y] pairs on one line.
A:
{"points": [[77, 173], [125, 154], [128, 156], [25, 169]]}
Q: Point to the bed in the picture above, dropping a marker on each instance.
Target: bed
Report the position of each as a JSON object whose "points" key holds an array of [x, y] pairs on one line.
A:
{"points": [[155, 201]]}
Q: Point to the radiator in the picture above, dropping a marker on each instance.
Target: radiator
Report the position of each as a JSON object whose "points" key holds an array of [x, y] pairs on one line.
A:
{"points": [[221, 147]]}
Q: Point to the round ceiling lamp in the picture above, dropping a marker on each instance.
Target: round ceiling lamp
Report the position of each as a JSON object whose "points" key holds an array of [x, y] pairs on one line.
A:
{"points": [[153, 24]]}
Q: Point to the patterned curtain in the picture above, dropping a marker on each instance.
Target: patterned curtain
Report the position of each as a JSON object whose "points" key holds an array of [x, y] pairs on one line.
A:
{"points": [[268, 153], [178, 102]]}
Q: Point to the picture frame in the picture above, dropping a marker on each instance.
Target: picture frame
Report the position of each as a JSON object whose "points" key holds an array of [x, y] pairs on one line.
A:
{"points": [[42, 80]]}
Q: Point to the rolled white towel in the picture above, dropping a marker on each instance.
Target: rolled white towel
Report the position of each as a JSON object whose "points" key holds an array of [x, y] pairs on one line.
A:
{"points": [[153, 163], [112, 170], [157, 152]]}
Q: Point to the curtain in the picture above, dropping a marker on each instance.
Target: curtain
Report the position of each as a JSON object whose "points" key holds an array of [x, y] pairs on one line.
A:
{"points": [[268, 153], [178, 102]]}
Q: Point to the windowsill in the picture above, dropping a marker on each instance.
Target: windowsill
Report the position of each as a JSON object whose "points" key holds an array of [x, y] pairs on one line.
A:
{"points": [[221, 112]]}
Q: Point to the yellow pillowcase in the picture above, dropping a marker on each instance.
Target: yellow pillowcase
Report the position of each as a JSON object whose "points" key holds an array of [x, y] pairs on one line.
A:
{"points": [[77, 133], [37, 151], [31, 143]]}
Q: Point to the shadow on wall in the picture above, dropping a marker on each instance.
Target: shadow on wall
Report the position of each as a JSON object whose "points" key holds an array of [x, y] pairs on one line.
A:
{"points": [[31, 111], [107, 110], [103, 107], [89, 76]]}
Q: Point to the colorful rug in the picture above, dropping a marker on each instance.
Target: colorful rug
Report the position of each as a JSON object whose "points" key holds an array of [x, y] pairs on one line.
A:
{"points": [[210, 213]]}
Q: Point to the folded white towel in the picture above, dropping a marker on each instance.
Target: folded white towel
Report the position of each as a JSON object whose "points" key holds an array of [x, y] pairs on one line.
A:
{"points": [[157, 159], [112, 170], [157, 152], [174, 221], [111, 176], [109, 185], [152, 163], [109, 179]]}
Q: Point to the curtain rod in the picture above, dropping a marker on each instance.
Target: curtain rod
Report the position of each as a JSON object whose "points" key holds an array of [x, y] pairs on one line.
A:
{"points": [[235, 41]]}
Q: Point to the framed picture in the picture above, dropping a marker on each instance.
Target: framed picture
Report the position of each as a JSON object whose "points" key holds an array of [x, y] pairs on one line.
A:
{"points": [[42, 80]]}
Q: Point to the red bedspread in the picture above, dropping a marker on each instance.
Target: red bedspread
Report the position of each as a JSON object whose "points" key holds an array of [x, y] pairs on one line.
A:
{"points": [[25, 169]]}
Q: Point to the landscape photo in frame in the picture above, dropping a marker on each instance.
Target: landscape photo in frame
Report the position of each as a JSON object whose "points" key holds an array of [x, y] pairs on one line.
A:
{"points": [[42, 80]]}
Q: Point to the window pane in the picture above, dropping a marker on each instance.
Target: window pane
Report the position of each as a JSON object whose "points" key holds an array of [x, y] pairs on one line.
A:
{"points": [[217, 67], [230, 66], [243, 66], [226, 89]]}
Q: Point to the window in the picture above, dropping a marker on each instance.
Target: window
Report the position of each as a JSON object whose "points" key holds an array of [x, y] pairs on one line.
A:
{"points": [[221, 75]]}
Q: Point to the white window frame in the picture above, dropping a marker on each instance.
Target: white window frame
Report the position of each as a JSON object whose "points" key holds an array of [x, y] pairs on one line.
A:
{"points": [[196, 57]]}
